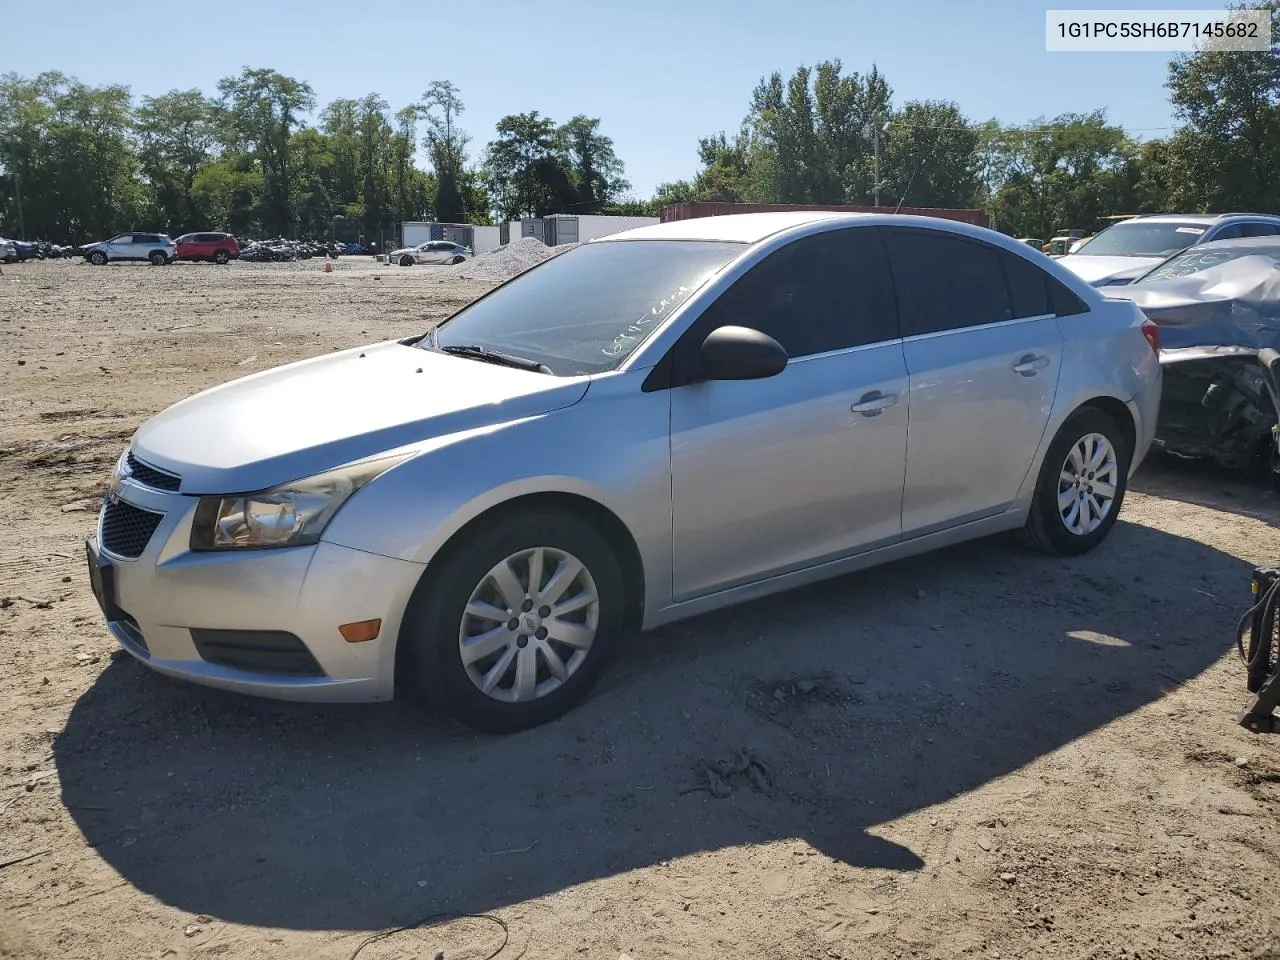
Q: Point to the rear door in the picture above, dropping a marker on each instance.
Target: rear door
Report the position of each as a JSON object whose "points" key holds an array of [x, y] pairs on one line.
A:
{"points": [[983, 354], [774, 475]]}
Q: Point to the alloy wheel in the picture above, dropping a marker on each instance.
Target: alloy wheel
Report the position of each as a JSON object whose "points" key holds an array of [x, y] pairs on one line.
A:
{"points": [[529, 625], [1087, 484]]}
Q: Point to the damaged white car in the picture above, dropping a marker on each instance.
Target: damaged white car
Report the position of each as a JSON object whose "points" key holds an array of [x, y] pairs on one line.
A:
{"points": [[1218, 308]]}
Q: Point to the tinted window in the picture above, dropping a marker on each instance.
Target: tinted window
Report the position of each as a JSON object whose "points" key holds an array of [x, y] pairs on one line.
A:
{"points": [[1257, 230], [824, 292], [1230, 232], [1028, 287], [946, 282]]}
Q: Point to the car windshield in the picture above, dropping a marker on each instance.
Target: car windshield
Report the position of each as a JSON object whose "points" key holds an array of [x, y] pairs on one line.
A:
{"points": [[1142, 239], [585, 310], [1186, 263]]}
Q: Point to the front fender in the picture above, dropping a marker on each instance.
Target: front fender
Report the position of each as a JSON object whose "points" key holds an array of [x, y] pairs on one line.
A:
{"points": [[612, 448]]}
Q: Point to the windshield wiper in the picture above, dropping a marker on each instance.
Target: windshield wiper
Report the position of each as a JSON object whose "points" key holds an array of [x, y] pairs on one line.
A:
{"points": [[494, 356]]}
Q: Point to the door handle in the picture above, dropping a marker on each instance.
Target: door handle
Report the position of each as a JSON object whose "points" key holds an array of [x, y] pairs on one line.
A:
{"points": [[874, 403], [1030, 365]]}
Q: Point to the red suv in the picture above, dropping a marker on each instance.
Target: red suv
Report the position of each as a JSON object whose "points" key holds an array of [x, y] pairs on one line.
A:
{"points": [[217, 247]]}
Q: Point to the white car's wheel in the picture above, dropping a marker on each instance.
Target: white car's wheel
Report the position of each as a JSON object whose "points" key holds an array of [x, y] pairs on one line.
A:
{"points": [[406, 261]]}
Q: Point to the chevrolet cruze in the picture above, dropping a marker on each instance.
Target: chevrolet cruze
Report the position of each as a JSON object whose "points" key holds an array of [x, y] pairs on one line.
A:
{"points": [[646, 427]]}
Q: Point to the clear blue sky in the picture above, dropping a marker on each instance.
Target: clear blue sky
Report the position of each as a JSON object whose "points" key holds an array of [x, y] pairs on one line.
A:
{"points": [[659, 73]]}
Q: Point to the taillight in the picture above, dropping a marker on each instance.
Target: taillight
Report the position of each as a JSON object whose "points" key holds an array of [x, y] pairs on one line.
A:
{"points": [[1151, 331]]}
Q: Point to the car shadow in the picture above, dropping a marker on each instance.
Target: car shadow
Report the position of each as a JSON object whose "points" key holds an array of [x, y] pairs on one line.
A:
{"points": [[823, 713], [1206, 484]]}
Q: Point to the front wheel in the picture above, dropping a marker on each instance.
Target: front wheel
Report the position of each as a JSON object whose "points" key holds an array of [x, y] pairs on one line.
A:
{"points": [[517, 624], [97, 258], [157, 258], [457, 260], [1081, 485], [221, 258], [406, 261]]}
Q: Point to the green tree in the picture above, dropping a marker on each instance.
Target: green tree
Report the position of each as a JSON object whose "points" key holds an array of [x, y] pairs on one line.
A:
{"points": [[70, 146], [340, 123], [597, 173], [265, 109], [446, 145], [1229, 103], [528, 168], [930, 156], [228, 194], [375, 159], [178, 134], [1056, 174]]}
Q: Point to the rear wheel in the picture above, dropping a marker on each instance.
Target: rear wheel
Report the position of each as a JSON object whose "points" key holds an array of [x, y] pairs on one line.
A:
{"points": [[221, 257], [457, 260], [97, 258], [406, 261], [1081, 485], [517, 624]]}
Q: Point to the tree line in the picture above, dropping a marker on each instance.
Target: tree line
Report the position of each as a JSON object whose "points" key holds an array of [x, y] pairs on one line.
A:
{"points": [[258, 159], [80, 162]]}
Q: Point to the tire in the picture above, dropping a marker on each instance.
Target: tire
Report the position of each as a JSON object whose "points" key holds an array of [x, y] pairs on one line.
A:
{"points": [[457, 260], [157, 258], [221, 258], [1074, 528], [97, 258], [406, 261], [438, 619]]}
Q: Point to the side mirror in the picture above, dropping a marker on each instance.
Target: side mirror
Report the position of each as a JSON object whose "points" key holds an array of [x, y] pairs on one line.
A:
{"points": [[740, 353]]}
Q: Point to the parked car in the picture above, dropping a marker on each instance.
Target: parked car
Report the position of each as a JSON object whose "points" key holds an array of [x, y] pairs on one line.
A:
{"points": [[433, 251], [8, 252], [1126, 250], [154, 247], [209, 247], [25, 250], [1218, 308], [648, 426]]}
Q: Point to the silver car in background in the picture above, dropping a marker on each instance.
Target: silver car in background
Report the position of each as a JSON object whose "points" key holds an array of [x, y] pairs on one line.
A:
{"points": [[156, 248], [433, 251], [647, 427]]}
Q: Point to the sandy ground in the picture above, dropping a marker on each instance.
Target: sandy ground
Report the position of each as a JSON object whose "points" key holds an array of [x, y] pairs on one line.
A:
{"points": [[977, 753]]}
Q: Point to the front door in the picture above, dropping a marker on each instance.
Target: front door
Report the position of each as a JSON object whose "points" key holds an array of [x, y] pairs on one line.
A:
{"points": [[778, 474], [983, 352]]}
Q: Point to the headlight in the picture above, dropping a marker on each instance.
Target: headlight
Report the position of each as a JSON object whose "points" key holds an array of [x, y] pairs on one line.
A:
{"points": [[290, 515]]}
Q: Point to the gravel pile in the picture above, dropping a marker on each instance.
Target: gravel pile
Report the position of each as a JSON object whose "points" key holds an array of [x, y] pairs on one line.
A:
{"points": [[505, 262]]}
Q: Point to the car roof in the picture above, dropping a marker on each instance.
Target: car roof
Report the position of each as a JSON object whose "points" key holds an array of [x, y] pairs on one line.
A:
{"points": [[739, 227], [1201, 219]]}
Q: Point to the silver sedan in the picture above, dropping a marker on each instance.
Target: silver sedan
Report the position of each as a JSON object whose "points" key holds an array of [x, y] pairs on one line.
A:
{"points": [[433, 251], [649, 426]]}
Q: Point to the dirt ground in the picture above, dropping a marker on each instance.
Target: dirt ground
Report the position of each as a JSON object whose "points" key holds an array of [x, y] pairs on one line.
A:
{"points": [[977, 753]]}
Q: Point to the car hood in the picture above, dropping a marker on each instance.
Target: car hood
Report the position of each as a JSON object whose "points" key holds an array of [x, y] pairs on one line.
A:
{"points": [[402, 250], [314, 415], [1095, 270], [1234, 304]]}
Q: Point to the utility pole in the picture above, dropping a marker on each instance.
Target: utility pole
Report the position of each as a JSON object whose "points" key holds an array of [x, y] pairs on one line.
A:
{"points": [[17, 189], [875, 129], [875, 185]]}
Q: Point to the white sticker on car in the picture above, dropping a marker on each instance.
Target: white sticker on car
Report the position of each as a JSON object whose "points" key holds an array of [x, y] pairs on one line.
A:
{"points": [[1195, 230]]}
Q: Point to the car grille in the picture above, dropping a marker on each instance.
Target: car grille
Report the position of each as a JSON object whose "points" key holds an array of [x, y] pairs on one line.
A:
{"points": [[149, 475], [126, 529]]}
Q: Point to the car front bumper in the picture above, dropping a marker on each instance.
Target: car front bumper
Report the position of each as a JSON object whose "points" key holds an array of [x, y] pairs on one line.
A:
{"points": [[164, 606]]}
